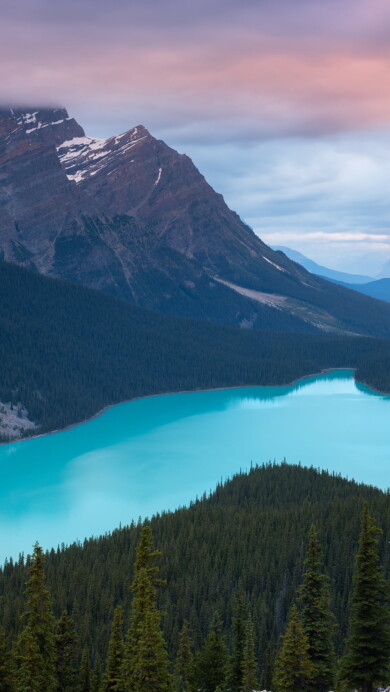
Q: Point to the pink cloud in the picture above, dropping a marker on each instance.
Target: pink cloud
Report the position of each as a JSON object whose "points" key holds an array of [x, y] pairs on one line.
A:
{"points": [[317, 68]]}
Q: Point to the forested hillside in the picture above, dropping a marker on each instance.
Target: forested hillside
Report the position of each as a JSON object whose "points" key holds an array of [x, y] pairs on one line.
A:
{"points": [[67, 351], [251, 534]]}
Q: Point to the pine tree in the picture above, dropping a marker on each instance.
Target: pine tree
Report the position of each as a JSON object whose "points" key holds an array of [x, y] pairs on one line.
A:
{"points": [[29, 658], [85, 672], [36, 649], [366, 662], [6, 677], [146, 659], [96, 675], [293, 668], [238, 644], [184, 668], [317, 619], [211, 660], [112, 680], [150, 664], [249, 659], [65, 644]]}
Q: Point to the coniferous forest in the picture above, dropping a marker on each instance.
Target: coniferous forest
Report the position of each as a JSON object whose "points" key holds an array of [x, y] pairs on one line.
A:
{"points": [[276, 580], [67, 351]]}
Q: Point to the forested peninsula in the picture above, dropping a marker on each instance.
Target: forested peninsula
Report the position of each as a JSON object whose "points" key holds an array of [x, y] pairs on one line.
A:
{"points": [[67, 352], [233, 562]]}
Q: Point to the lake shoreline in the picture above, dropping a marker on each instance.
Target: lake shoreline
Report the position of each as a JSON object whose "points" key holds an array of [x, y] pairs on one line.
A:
{"points": [[183, 391]]}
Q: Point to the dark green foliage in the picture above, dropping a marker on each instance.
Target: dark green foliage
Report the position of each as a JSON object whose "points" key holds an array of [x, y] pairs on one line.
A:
{"points": [[184, 667], [250, 533], [317, 619], [66, 655], [293, 668], [6, 677], [67, 351], [249, 659], [375, 371], [146, 660], [113, 675], [36, 647], [211, 660], [96, 675], [366, 662], [149, 671], [29, 669], [234, 678], [85, 673]]}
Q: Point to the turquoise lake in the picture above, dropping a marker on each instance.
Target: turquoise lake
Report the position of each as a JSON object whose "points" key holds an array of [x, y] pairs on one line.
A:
{"points": [[158, 453]]}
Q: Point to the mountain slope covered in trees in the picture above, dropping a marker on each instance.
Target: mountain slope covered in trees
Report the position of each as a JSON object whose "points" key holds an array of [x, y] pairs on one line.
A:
{"points": [[251, 534], [67, 351]]}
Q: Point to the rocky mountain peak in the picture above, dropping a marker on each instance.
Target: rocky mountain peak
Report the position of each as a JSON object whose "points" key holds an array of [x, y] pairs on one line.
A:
{"points": [[41, 124], [131, 216]]}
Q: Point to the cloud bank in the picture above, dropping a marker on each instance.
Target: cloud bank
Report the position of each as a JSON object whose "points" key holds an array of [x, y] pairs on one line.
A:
{"points": [[302, 85]]}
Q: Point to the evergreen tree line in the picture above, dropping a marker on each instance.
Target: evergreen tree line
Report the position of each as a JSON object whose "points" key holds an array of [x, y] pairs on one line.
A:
{"points": [[67, 351], [45, 657], [247, 536]]}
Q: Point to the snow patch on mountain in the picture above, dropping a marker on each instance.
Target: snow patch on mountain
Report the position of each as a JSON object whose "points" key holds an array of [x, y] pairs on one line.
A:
{"points": [[33, 119], [83, 157]]}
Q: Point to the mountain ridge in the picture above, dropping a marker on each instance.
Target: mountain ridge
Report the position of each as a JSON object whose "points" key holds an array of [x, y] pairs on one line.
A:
{"points": [[319, 269], [130, 216]]}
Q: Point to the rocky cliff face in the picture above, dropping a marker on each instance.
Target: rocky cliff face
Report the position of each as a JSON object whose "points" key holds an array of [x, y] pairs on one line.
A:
{"points": [[130, 216]]}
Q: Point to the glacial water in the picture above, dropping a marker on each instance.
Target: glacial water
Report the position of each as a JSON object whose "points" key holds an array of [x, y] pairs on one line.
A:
{"points": [[158, 453]]}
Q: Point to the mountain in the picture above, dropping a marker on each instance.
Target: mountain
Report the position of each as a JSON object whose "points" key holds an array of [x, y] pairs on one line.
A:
{"points": [[385, 272], [325, 272], [68, 351], [379, 289], [130, 216]]}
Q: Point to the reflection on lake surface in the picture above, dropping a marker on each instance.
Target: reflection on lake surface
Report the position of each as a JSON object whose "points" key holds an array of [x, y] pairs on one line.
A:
{"points": [[157, 453]]}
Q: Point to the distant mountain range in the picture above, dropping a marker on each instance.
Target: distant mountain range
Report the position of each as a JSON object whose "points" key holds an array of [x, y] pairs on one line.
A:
{"points": [[378, 288], [130, 216], [320, 270], [385, 272]]}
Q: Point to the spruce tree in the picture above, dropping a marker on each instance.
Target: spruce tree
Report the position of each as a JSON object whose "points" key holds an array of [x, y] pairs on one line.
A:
{"points": [[293, 668], [146, 659], [366, 662], [96, 675], [249, 659], [29, 658], [238, 643], [85, 672], [6, 677], [36, 648], [150, 664], [211, 660], [112, 680], [184, 667], [317, 619], [65, 644]]}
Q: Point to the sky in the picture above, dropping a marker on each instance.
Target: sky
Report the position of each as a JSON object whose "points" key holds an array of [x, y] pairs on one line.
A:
{"points": [[283, 106]]}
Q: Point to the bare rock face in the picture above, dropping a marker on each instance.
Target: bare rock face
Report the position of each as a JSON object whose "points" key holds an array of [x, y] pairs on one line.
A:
{"points": [[130, 216]]}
